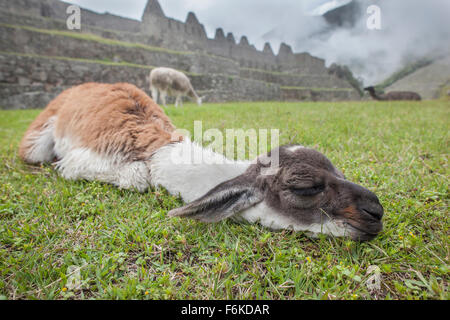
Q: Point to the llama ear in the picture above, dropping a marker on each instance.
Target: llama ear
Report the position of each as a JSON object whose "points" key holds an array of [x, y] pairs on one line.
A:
{"points": [[220, 203]]}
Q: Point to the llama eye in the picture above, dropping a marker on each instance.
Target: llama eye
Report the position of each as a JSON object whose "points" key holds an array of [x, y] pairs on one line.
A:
{"points": [[311, 191]]}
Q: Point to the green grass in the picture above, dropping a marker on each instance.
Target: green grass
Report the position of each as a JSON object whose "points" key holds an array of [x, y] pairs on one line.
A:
{"points": [[404, 72], [120, 244]]}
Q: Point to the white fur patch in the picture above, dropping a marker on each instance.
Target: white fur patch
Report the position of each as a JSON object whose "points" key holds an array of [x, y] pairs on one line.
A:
{"points": [[82, 163], [189, 170], [295, 148], [41, 149], [269, 171], [270, 218]]}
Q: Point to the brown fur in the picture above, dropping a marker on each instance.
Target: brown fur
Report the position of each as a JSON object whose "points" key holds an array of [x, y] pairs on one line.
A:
{"points": [[350, 212], [106, 118]]}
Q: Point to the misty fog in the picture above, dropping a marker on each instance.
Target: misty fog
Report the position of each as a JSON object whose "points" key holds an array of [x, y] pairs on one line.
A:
{"points": [[411, 30]]}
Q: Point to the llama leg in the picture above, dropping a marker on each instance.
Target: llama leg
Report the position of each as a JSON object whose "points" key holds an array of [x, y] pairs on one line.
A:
{"points": [[178, 101], [155, 94], [82, 163], [163, 98], [37, 146]]}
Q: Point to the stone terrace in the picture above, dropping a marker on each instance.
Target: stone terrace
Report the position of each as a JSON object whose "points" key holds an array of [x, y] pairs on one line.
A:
{"points": [[39, 57]]}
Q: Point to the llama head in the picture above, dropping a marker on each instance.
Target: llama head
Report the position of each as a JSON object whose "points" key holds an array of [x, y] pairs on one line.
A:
{"points": [[305, 192], [200, 100]]}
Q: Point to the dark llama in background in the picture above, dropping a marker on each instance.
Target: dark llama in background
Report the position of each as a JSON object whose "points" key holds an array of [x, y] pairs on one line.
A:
{"points": [[393, 95]]}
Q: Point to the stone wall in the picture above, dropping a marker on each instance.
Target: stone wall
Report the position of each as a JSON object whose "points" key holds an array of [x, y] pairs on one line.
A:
{"points": [[40, 57], [28, 81], [56, 9], [219, 88], [317, 94], [157, 29], [21, 40], [31, 82], [295, 80]]}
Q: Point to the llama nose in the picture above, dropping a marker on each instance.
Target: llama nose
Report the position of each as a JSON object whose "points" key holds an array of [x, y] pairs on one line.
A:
{"points": [[373, 209], [367, 201]]}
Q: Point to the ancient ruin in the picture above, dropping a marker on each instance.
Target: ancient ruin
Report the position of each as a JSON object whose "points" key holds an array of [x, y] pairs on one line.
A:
{"points": [[39, 57]]}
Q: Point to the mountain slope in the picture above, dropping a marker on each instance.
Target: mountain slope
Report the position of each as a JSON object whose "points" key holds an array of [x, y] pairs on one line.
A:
{"points": [[426, 81]]}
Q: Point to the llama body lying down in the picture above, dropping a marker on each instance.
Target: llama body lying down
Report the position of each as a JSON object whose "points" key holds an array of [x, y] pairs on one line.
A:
{"points": [[116, 134]]}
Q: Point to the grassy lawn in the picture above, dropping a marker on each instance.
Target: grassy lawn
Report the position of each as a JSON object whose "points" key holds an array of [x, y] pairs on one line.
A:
{"points": [[77, 240]]}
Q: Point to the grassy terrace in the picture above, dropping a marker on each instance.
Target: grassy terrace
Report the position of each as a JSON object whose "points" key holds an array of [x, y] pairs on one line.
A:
{"points": [[285, 74], [72, 240], [316, 89], [96, 61], [93, 37], [404, 72], [111, 42]]}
